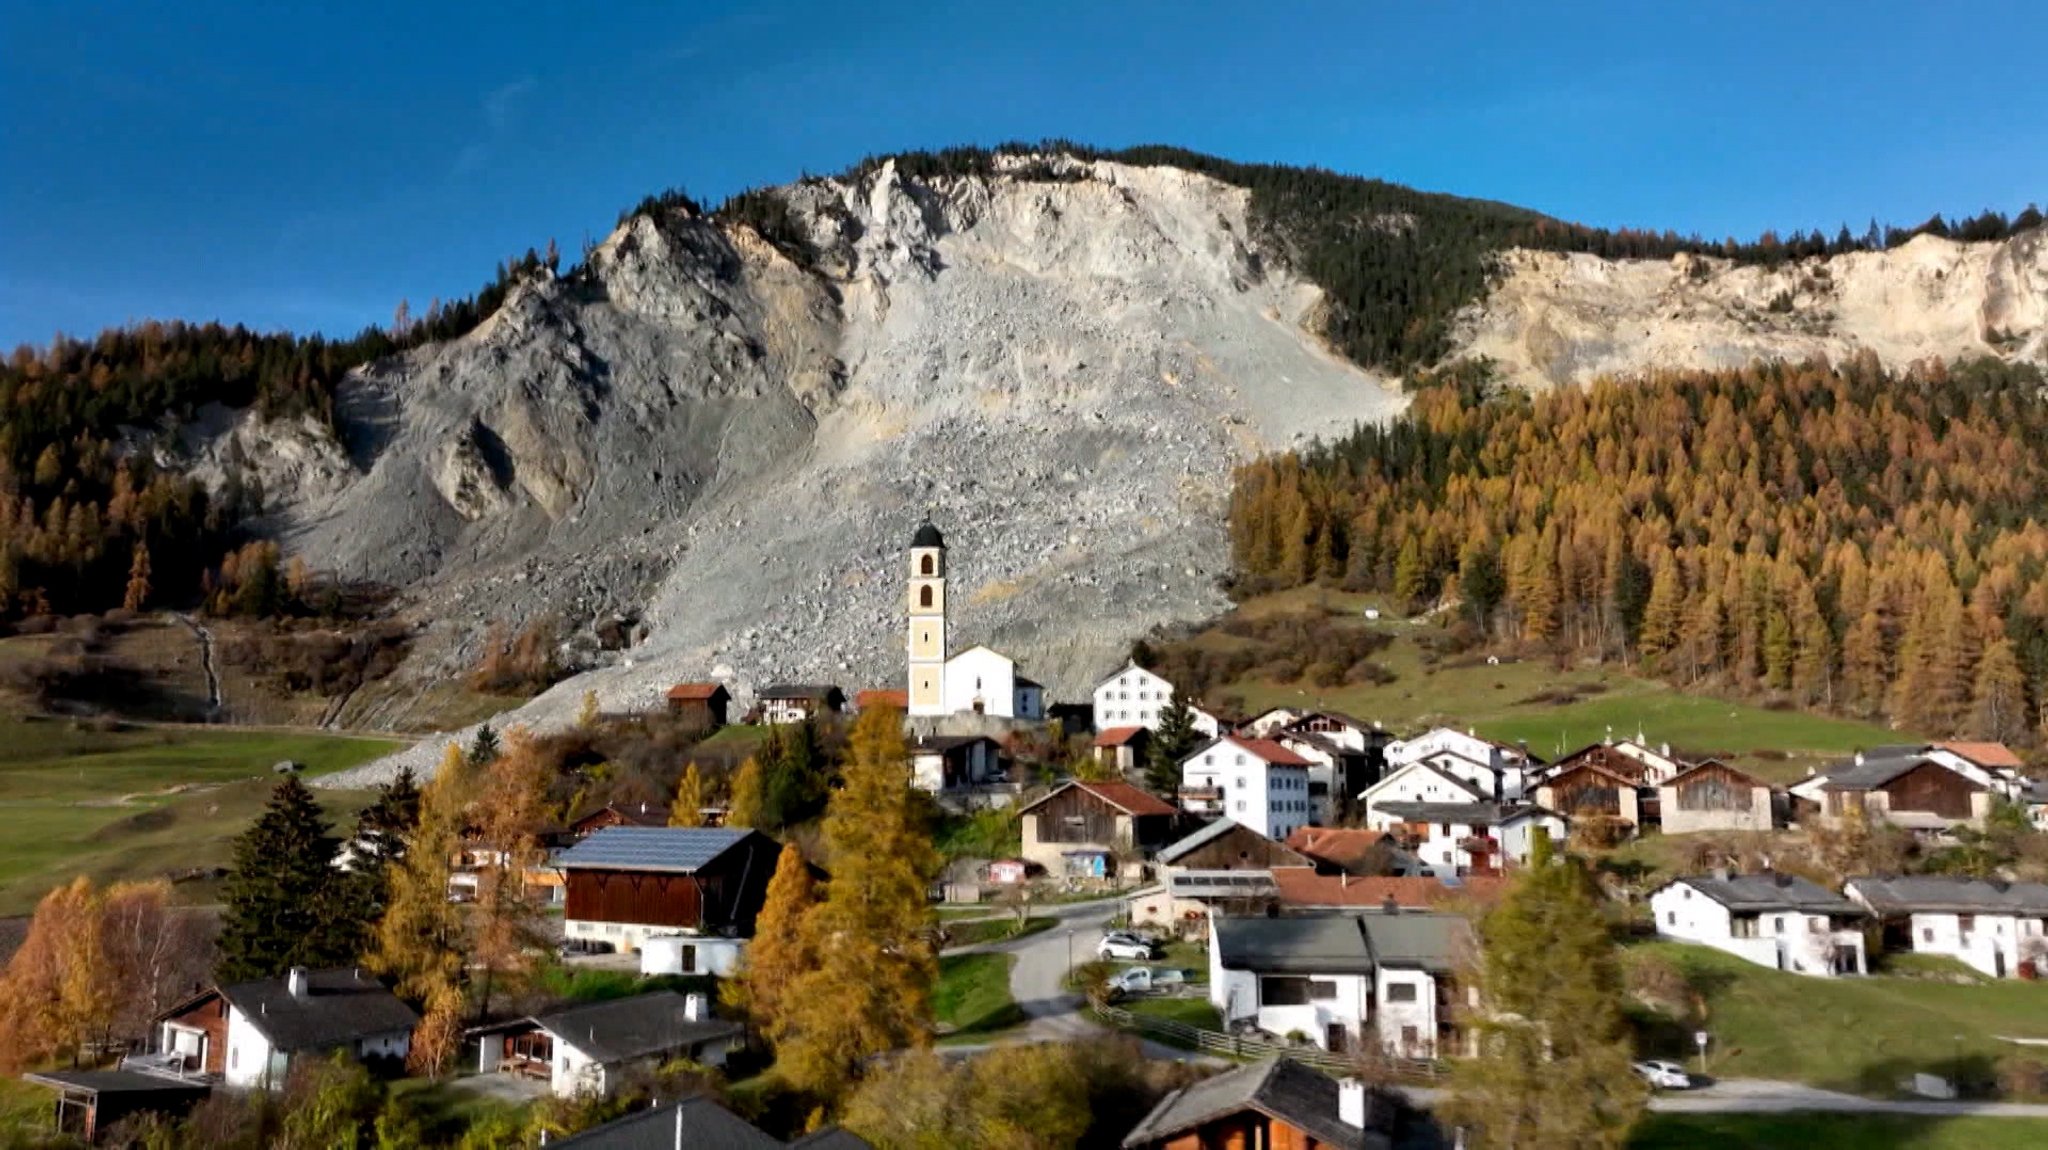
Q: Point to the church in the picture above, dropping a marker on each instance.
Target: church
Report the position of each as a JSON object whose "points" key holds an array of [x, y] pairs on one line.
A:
{"points": [[977, 681]]}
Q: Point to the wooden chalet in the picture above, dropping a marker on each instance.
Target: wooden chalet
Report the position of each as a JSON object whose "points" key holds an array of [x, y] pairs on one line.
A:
{"points": [[1593, 795], [1278, 1104], [702, 704], [626, 884], [1086, 829], [618, 815], [1914, 791], [800, 702], [1228, 845]]}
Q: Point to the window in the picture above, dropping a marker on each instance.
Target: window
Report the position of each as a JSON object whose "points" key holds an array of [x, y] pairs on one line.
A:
{"points": [[1779, 924], [1409, 1037], [689, 957], [925, 565], [1240, 805], [1670, 918], [1400, 992], [924, 596], [234, 1057], [1926, 934], [1293, 990], [1966, 922]]}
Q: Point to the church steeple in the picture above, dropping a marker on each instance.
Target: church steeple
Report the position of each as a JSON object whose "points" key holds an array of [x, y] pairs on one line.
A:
{"points": [[927, 639]]}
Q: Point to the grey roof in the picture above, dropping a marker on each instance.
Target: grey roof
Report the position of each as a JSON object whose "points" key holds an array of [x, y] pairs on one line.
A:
{"points": [[678, 850], [621, 1029], [1905, 894], [1769, 891], [340, 1006], [1280, 1088], [98, 1082], [815, 692], [1876, 770], [705, 1125], [1471, 814], [1341, 942], [832, 1138], [1222, 884], [927, 536], [1199, 838]]}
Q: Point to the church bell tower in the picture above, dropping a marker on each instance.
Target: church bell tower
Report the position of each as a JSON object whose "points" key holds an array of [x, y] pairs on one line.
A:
{"points": [[927, 621]]}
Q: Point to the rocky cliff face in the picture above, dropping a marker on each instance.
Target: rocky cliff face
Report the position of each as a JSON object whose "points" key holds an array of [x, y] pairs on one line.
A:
{"points": [[733, 448], [736, 449], [1556, 319]]}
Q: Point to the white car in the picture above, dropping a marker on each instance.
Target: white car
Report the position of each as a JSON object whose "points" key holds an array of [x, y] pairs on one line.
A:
{"points": [[1140, 978], [1126, 948], [1664, 1075]]}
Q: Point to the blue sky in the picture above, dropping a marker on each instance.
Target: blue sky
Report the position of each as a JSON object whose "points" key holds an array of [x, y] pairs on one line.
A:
{"points": [[300, 166]]}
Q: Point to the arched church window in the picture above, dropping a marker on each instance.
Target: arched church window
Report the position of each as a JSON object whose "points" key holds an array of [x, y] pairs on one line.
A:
{"points": [[926, 565], [924, 594]]}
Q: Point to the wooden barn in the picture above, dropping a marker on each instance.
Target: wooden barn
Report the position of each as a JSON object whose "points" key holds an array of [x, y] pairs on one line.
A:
{"points": [[627, 884], [1092, 830], [1589, 794], [1716, 796], [701, 704], [1915, 791]]}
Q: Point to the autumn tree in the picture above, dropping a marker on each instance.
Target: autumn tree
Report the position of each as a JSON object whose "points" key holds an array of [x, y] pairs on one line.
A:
{"points": [[1552, 1065], [136, 596], [870, 991], [1998, 703], [512, 808], [783, 946], [688, 808], [748, 807], [58, 988], [420, 941], [438, 1038]]}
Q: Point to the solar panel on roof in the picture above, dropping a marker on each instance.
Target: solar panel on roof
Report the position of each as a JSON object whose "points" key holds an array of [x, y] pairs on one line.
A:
{"points": [[652, 848]]}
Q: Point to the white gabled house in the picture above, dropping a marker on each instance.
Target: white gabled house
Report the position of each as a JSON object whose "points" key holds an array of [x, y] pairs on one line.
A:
{"points": [[1340, 979], [591, 1049], [1499, 771], [1254, 782], [1469, 837], [1777, 920], [1425, 783], [1999, 928], [250, 1034], [1131, 697]]}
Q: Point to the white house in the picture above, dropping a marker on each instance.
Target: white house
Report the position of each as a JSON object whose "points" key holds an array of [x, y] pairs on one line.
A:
{"points": [[1497, 768], [1340, 978], [1992, 925], [250, 1033], [785, 703], [1333, 770], [691, 954], [941, 763], [1777, 920], [1257, 783], [1131, 697], [1464, 838], [593, 1048], [1425, 783]]}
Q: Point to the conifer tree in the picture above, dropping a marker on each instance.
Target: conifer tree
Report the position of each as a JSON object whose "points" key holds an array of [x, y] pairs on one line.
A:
{"points": [[484, 748], [420, 940], [512, 809], [381, 833], [1779, 650], [1411, 577], [284, 903], [1663, 614], [137, 593], [870, 991], [1171, 744], [1553, 1044], [1998, 704], [688, 808], [1480, 581], [782, 948]]}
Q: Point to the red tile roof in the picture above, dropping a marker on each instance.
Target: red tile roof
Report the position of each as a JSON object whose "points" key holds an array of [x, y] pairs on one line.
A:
{"points": [[1337, 846], [1269, 750], [1129, 799], [1985, 754], [1300, 886], [694, 692], [1118, 736], [882, 698]]}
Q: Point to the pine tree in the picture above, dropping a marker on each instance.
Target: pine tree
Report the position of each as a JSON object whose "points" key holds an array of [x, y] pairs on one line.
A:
{"points": [[870, 991], [1171, 744], [483, 750], [1411, 577], [1553, 1044], [1480, 581], [1779, 650], [688, 808], [381, 833], [782, 948], [749, 800], [1663, 613], [284, 903]]}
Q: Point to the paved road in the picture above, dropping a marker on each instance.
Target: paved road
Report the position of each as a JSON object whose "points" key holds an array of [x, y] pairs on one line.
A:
{"points": [[1038, 976], [1767, 1096]]}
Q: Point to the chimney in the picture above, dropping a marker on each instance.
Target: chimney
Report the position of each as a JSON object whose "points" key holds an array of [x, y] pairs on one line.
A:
{"points": [[295, 981], [1720, 874], [696, 1008], [1859, 758], [1389, 906], [1351, 1103]]}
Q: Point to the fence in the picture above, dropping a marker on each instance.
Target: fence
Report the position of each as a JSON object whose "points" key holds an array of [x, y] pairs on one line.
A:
{"points": [[1232, 1046]]}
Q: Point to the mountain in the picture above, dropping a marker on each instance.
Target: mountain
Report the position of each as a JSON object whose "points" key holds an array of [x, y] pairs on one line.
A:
{"points": [[723, 427]]}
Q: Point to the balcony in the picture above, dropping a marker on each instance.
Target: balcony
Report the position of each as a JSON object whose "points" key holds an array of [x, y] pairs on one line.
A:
{"points": [[1201, 794]]}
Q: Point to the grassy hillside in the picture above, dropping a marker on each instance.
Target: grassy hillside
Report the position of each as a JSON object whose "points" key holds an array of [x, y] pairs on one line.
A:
{"points": [[140, 802], [1553, 710], [1856, 1034], [1836, 1132]]}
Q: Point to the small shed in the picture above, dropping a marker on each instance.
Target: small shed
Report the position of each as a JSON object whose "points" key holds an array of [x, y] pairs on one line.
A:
{"points": [[702, 703], [89, 1101]]}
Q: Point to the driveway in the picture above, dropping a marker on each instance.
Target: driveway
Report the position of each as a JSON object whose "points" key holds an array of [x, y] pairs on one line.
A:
{"points": [[1038, 976]]}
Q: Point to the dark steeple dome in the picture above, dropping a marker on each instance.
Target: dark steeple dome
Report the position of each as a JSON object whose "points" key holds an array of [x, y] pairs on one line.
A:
{"points": [[927, 536]]}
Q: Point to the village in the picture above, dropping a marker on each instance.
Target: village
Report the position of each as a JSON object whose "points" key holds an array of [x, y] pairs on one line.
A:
{"points": [[1284, 903]]}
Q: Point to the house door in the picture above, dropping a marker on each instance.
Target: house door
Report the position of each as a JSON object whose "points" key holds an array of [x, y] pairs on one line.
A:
{"points": [[1998, 964], [1335, 1038], [689, 958]]}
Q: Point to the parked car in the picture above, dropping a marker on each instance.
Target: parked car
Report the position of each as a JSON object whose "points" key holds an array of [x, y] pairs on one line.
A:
{"points": [[1664, 1075], [1141, 978], [1128, 948]]}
